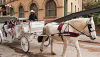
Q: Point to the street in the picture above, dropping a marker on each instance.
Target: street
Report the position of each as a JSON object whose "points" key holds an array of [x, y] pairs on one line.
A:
{"points": [[88, 49]]}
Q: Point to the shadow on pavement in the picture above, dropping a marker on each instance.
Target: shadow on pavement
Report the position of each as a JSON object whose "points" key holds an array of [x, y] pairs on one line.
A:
{"points": [[18, 50]]}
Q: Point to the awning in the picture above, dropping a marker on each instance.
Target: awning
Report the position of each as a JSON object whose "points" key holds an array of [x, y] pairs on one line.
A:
{"points": [[7, 18]]}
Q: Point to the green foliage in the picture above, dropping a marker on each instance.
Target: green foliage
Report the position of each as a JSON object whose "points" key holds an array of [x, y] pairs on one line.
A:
{"points": [[91, 5], [97, 19]]}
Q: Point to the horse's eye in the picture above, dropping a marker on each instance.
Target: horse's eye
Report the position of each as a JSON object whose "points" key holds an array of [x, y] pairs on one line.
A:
{"points": [[89, 26]]}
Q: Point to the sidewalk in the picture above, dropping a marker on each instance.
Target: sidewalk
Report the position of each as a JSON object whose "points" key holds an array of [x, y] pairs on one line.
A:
{"points": [[84, 38]]}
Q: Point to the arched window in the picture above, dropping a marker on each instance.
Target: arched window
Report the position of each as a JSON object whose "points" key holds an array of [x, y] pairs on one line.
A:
{"points": [[12, 12], [34, 7], [71, 7], [50, 9], [21, 12]]}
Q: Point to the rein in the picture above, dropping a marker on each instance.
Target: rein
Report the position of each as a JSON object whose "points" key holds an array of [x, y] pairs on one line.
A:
{"points": [[80, 31], [83, 29]]}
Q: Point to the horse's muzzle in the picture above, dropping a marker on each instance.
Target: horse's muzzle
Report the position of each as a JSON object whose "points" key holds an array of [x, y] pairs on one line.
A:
{"points": [[93, 38]]}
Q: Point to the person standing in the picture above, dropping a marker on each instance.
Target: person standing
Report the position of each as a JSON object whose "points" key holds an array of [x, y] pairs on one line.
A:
{"points": [[33, 16]]}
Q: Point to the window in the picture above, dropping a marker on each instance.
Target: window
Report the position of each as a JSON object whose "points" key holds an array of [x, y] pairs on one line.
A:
{"points": [[71, 7], [0, 1], [50, 11], [11, 0], [21, 12], [95, 0], [11, 12], [4, 1], [78, 10], [75, 8], [34, 7]]}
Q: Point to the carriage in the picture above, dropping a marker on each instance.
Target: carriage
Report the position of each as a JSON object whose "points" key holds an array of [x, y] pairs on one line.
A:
{"points": [[21, 31]]}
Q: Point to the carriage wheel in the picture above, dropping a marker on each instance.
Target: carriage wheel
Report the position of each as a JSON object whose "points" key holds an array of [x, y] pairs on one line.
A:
{"points": [[25, 44], [0, 39]]}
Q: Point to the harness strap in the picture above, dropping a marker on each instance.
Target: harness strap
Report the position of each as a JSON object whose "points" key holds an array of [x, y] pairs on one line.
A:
{"points": [[79, 31], [59, 29], [62, 38]]}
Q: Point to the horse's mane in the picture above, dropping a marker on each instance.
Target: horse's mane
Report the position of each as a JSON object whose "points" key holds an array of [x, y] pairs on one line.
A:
{"points": [[53, 23], [74, 20], [77, 19]]}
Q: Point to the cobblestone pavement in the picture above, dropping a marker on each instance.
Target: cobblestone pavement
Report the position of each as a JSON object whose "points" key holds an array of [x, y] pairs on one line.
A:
{"points": [[88, 49]]}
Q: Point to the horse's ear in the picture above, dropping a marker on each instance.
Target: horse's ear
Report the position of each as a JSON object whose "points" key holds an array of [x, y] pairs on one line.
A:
{"points": [[91, 18]]}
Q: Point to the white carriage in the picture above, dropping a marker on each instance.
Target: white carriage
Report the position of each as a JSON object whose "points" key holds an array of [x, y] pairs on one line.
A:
{"points": [[21, 32]]}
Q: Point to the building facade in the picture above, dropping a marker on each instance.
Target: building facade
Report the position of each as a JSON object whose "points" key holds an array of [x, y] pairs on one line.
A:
{"points": [[46, 10]]}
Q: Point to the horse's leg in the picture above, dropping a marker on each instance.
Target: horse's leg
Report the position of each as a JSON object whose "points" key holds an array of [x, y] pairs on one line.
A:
{"points": [[65, 47], [52, 52], [42, 44], [78, 49]]}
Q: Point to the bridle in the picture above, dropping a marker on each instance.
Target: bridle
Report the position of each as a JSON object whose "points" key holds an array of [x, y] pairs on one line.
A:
{"points": [[82, 33]]}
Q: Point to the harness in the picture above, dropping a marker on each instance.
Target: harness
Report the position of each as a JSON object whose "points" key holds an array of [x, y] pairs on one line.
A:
{"points": [[72, 34]]}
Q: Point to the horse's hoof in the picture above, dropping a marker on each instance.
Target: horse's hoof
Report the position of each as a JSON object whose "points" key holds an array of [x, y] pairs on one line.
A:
{"points": [[41, 50], [53, 53]]}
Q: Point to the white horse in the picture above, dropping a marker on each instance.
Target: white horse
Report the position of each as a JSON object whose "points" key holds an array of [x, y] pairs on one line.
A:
{"points": [[83, 26]]}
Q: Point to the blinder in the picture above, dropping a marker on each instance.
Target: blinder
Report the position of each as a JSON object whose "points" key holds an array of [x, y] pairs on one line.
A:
{"points": [[89, 27]]}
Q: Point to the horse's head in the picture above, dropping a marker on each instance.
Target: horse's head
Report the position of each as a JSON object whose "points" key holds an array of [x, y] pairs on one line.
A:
{"points": [[84, 26], [91, 29]]}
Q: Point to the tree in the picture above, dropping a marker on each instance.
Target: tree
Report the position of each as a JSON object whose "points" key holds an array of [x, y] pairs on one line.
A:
{"points": [[90, 4]]}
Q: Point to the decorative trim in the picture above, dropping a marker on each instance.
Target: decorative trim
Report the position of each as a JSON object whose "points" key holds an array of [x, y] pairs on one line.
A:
{"points": [[60, 7], [41, 9], [50, 17], [16, 12], [26, 11]]}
